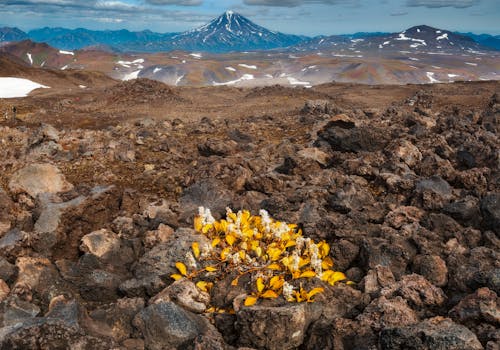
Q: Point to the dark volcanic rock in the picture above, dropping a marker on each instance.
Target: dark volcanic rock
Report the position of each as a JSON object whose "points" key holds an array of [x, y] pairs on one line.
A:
{"points": [[433, 334], [490, 208], [347, 138], [167, 326]]}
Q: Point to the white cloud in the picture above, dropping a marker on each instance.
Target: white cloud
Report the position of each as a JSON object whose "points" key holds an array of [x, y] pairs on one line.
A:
{"points": [[295, 3], [442, 3]]}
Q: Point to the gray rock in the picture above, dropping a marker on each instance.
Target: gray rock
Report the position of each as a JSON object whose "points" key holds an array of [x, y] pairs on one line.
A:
{"points": [[275, 328], [209, 193], [39, 178], [160, 261], [7, 270], [437, 333], [185, 294], [434, 192], [490, 208], [168, 326], [115, 320]]}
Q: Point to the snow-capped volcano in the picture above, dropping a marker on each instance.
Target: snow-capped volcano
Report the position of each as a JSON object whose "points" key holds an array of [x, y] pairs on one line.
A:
{"points": [[232, 32]]}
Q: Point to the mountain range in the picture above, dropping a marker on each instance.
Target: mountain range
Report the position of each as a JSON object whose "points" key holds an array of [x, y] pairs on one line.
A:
{"points": [[234, 32]]}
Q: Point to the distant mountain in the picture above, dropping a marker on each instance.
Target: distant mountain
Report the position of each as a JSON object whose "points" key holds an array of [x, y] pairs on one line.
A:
{"points": [[415, 39], [73, 39], [491, 41], [12, 34], [232, 32]]}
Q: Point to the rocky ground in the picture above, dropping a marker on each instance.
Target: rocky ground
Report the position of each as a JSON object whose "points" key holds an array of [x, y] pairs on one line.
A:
{"points": [[98, 195]]}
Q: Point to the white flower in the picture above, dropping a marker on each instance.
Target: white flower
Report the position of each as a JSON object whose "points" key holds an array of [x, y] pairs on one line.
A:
{"points": [[206, 216], [287, 290], [191, 261], [295, 261]]}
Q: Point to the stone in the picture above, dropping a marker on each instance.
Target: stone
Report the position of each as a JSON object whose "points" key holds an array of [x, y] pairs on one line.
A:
{"points": [[481, 306], [315, 154], [7, 270], [263, 327], [108, 247], [432, 267], [434, 192], [38, 178], [185, 294], [316, 107], [436, 333], [405, 151], [214, 147], [417, 291], [160, 261], [347, 138], [490, 208], [167, 326], [385, 313], [208, 193], [4, 290], [115, 320]]}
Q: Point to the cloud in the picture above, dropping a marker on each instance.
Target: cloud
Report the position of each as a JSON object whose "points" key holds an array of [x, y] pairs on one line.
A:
{"points": [[175, 2], [397, 14], [295, 3], [442, 3]]}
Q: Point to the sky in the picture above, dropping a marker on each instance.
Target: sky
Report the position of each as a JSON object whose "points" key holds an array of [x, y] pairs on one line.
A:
{"points": [[306, 17]]}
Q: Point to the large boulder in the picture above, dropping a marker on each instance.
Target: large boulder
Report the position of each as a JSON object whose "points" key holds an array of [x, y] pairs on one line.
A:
{"points": [[39, 178]]}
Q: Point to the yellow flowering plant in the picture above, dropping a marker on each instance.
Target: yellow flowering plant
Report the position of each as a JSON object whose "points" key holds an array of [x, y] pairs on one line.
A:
{"points": [[275, 254]]}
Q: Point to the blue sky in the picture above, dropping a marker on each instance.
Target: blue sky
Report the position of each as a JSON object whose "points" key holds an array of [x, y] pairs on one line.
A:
{"points": [[308, 17]]}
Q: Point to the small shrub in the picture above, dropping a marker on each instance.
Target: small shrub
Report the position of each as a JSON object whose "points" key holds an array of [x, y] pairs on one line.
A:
{"points": [[275, 255]]}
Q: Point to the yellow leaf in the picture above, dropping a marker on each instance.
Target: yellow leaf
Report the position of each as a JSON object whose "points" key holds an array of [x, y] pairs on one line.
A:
{"points": [[232, 216], [202, 285], [215, 241], [224, 253], [269, 294], [223, 225], [176, 276], [326, 275], [313, 292], [250, 300], [247, 232], [274, 266], [211, 309], [276, 282], [260, 285], [307, 274], [327, 263], [324, 249], [198, 223], [258, 251], [273, 253], [335, 277], [303, 262], [210, 269], [290, 243], [350, 283], [242, 254], [181, 267], [230, 239], [196, 249], [206, 228], [298, 297], [234, 282]]}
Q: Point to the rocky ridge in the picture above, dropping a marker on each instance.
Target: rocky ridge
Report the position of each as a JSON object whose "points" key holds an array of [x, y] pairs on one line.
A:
{"points": [[92, 222]]}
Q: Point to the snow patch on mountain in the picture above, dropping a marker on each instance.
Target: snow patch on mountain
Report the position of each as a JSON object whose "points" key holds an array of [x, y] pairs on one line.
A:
{"points": [[17, 87]]}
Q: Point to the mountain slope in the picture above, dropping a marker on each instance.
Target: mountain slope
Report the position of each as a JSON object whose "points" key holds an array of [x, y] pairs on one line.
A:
{"points": [[12, 34], [232, 32], [415, 39]]}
